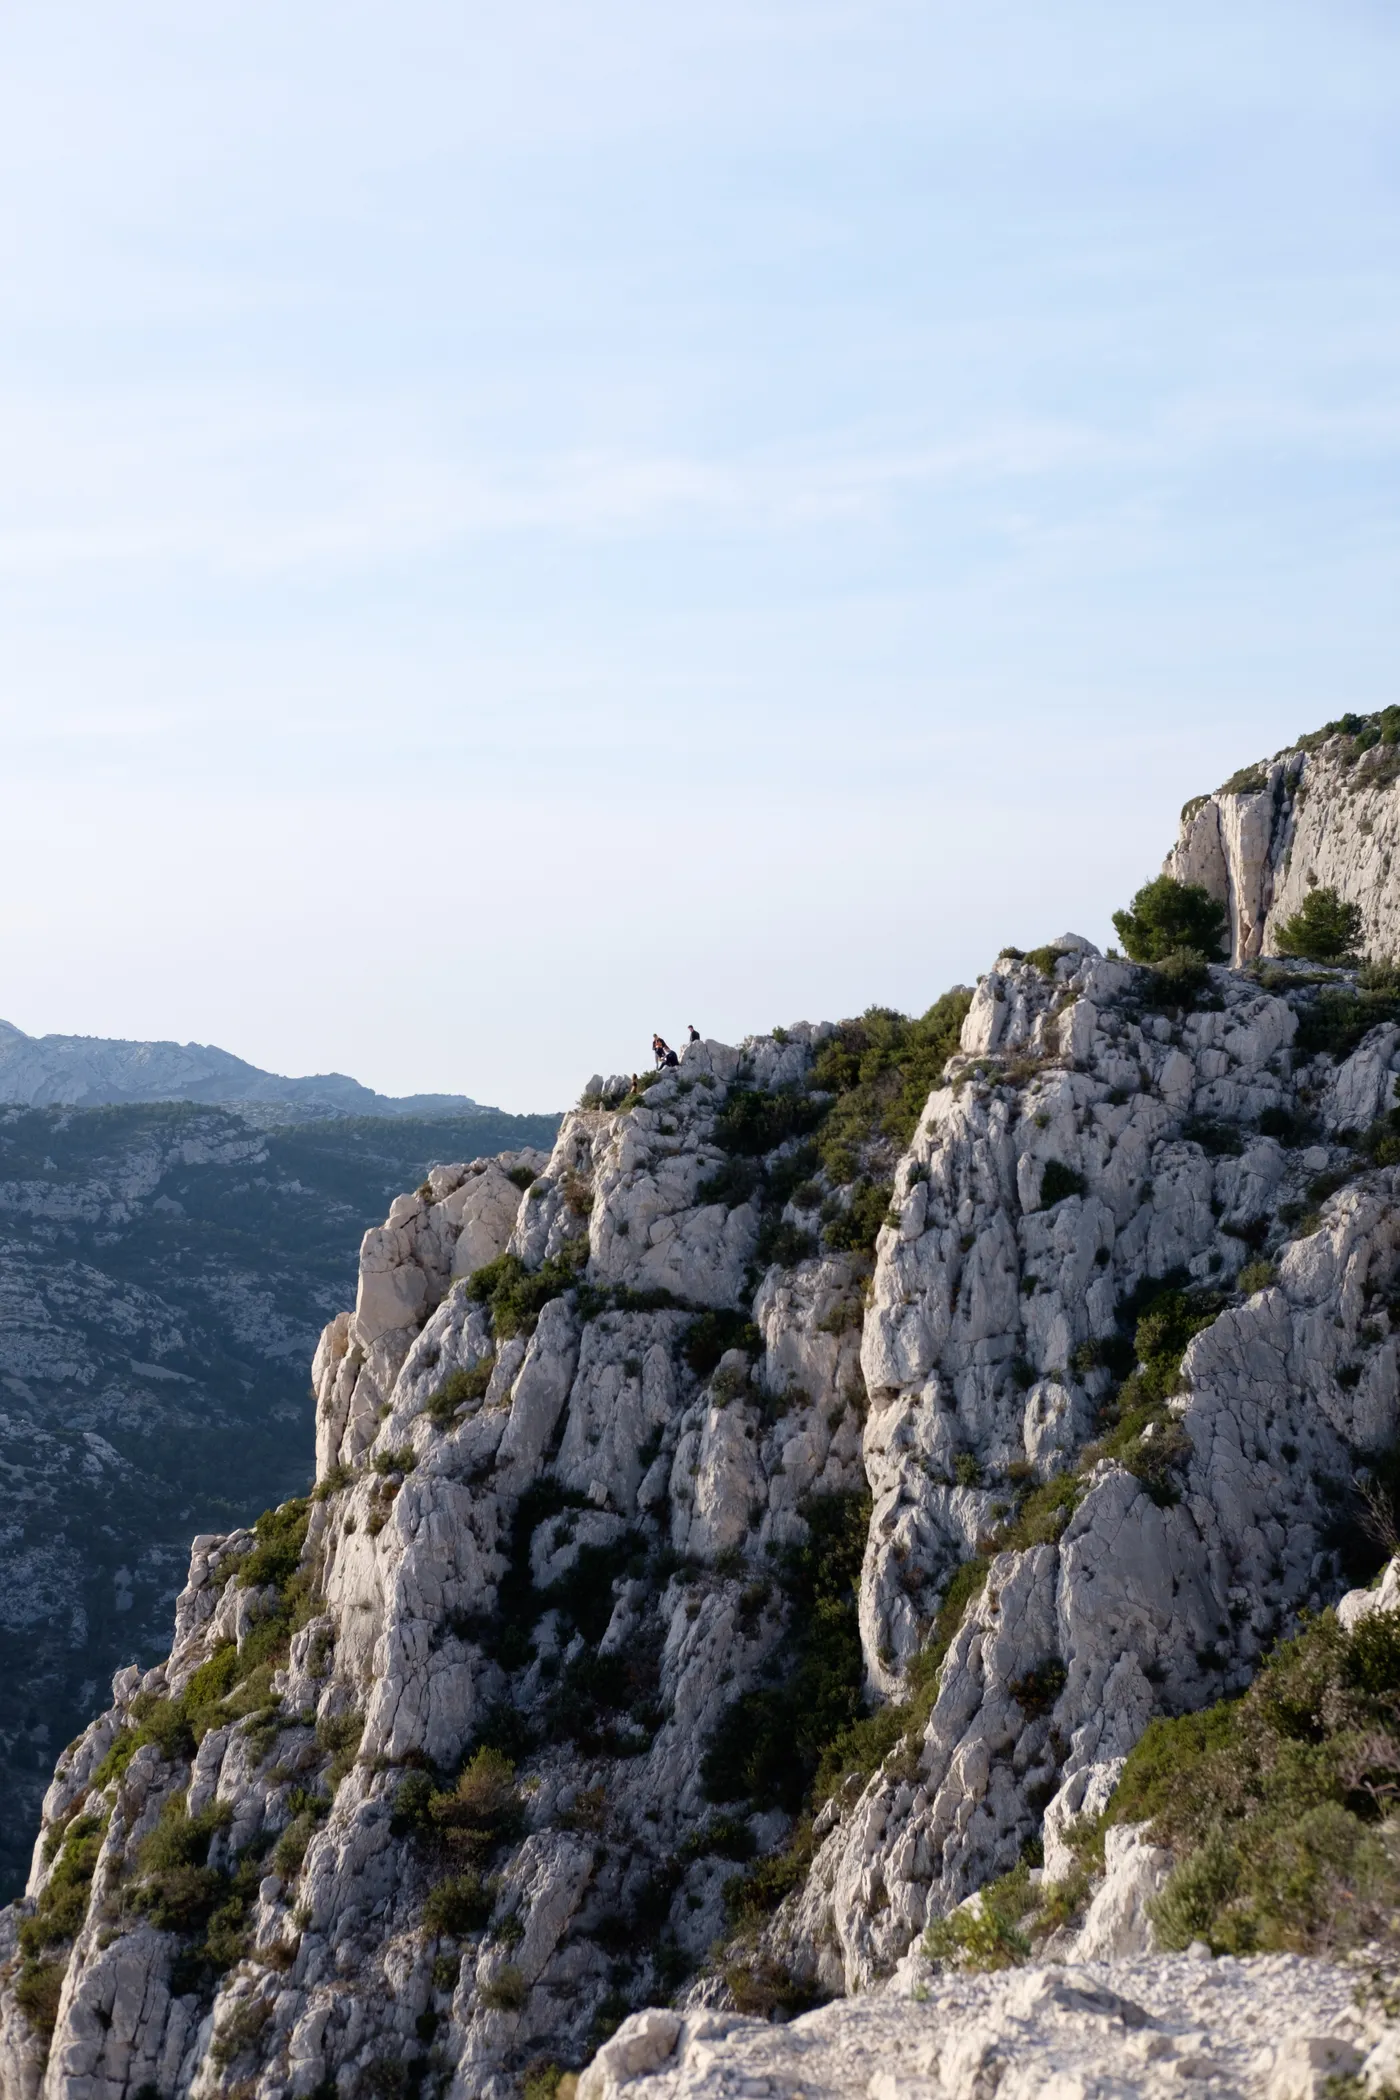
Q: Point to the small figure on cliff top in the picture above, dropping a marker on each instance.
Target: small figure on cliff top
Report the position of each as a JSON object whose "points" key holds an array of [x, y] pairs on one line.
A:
{"points": [[661, 1050], [694, 1033]]}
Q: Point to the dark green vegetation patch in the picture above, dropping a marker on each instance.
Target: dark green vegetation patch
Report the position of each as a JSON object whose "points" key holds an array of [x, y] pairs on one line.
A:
{"points": [[769, 1743], [1279, 1805], [1167, 917]]}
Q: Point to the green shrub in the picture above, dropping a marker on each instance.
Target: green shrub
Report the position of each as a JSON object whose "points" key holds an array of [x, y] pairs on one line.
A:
{"points": [[966, 1583], [37, 1993], [542, 2080], [733, 1182], [853, 1230], [1216, 1139], [1256, 1276], [1036, 1692], [1167, 916], [731, 1383], [290, 1849], [979, 1938], [1323, 929], [753, 1122], [1333, 1021], [1178, 980], [521, 1176], [722, 1837], [762, 1986], [459, 1905], [1276, 1804], [710, 1334], [340, 1735], [1040, 1516], [767, 1745], [402, 1460], [457, 1389], [486, 1790], [507, 1990], [1059, 1181], [1045, 959], [278, 1538], [882, 1069], [472, 1817], [331, 1483], [783, 1243], [62, 1905], [517, 1295]]}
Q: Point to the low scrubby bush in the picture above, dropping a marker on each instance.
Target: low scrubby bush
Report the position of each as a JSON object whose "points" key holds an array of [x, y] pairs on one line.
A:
{"points": [[62, 1904], [852, 1228], [1334, 1020], [506, 1991], [471, 1816], [767, 1745], [1058, 1181], [1279, 1805], [710, 1334], [457, 1389], [881, 1069], [278, 1538], [516, 1295], [458, 1905]]}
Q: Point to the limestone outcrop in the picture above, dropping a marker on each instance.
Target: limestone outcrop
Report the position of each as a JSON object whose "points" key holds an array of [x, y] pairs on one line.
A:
{"points": [[1272, 2028], [1325, 814], [448, 1768]]}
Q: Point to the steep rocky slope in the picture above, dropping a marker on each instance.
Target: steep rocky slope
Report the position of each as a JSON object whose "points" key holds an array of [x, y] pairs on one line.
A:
{"points": [[629, 1481], [164, 1272], [1324, 813]]}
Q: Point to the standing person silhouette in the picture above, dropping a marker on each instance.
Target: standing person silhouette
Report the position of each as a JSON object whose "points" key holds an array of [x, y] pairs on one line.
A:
{"points": [[694, 1033]]}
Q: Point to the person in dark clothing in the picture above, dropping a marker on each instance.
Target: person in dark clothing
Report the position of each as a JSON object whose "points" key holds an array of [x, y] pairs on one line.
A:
{"points": [[661, 1050], [694, 1033], [670, 1058]]}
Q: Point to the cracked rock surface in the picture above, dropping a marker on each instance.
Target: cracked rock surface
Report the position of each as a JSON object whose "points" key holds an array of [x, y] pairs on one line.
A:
{"points": [[1276, 2027]]}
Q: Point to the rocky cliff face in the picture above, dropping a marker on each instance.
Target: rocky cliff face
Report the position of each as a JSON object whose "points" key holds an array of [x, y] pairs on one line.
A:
{"points": [[164, 1272], [629, 1476], [1324, 814]]}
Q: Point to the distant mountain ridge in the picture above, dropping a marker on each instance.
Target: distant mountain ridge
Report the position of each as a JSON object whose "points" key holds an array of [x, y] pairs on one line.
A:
{"points": [[91, 1071]]}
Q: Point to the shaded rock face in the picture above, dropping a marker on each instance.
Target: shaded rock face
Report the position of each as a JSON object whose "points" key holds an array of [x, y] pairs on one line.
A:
{"points": [[1326, 817], [553, 1524]]}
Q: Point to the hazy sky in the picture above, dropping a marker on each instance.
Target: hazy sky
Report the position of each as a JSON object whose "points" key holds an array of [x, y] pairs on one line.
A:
{"points": [[520, 526]]}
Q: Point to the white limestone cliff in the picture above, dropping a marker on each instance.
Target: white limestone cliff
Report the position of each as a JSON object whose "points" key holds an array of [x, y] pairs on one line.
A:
{"points": [[1325, 814], [563, 1521]]}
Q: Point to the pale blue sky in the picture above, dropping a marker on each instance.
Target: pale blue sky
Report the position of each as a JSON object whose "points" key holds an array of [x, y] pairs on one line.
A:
{"points": [[516, 532]]}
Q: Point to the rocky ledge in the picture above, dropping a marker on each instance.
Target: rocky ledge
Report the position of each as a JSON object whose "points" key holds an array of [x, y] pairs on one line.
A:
{"points": [[1273, 2027]]}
